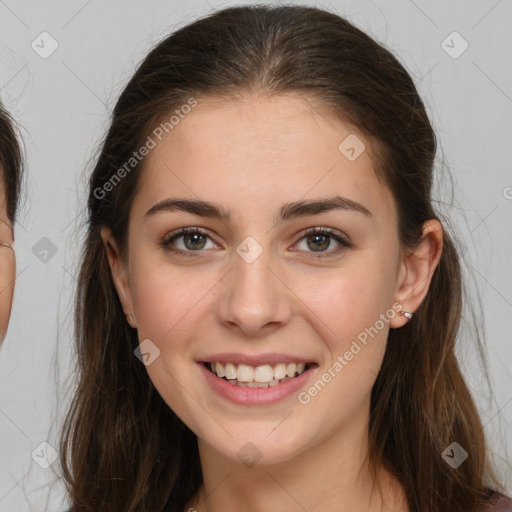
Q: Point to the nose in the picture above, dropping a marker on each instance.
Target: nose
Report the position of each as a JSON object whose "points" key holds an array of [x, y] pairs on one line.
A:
{"points": [[254, 297]]}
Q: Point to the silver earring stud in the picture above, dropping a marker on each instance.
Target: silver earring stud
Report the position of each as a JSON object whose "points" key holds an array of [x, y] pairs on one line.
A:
{"points": [[406, 314]]}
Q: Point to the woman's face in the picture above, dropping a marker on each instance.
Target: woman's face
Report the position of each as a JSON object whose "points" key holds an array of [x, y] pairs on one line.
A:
{"points": [[7, 265], [254, 288]]}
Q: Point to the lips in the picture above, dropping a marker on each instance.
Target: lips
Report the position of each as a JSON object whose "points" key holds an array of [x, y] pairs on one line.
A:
{"points": [[254, 393]]}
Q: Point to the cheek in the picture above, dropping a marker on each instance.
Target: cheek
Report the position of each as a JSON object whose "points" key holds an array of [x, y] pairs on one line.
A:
{"points": [[352, 317], [353, 309], [349, 300], [164, 299], [167, 302]]}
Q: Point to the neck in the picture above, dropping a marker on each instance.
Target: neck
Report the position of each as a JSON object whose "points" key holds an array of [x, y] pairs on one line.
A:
{"points": [[331, 475]]}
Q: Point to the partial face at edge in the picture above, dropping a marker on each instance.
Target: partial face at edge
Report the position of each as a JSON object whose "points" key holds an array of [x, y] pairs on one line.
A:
{"points": [[7, 265], [308, 296]]}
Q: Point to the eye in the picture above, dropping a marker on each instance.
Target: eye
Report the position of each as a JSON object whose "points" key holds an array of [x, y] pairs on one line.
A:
{"points": [[193, 240], [320, 239]]}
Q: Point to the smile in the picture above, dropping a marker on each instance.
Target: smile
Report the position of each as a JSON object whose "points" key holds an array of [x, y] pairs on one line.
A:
{"points": [[262, 376]]}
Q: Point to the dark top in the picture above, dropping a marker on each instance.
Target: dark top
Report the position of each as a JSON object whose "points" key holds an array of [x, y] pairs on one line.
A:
{"points": [[499, 503]]}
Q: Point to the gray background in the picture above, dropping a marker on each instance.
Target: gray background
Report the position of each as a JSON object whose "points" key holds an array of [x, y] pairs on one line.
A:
{"points": [[63, 103]]}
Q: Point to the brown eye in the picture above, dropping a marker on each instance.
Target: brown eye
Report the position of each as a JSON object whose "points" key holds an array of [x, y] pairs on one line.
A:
{"points": [[319, 240], [192, 240], [196, 241]]}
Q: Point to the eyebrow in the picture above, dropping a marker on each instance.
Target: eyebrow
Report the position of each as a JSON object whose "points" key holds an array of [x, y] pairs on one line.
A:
{"points": [[288, 211]]}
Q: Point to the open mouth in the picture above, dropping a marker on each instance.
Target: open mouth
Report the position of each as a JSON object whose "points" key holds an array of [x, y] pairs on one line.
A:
{"points": [[263, 376]]}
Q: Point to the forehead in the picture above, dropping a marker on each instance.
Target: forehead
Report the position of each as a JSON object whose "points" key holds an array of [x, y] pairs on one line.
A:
{"points": [[261, 151]]}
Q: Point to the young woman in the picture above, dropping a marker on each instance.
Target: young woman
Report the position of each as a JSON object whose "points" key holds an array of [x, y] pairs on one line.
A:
{"points": [[10, 180], [268, 303]]}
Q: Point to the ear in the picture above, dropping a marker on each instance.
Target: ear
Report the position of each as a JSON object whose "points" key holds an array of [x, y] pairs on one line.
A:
{"points": [[120, 275], [416, 271]]}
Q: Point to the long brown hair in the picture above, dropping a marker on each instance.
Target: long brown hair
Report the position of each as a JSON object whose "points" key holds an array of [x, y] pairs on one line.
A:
{"points": [[123, 448], [11, 162]]}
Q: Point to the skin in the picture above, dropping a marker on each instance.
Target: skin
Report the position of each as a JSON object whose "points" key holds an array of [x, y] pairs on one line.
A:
{"points": [[253, 155], [7, 266]]}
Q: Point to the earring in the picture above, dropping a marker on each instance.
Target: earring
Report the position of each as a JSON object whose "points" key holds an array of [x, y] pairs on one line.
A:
{"points": [[406, 314], [130, 318]]}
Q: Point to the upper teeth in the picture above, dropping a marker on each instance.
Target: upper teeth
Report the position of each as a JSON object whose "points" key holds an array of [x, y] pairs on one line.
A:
{"points": [[263, 373]]}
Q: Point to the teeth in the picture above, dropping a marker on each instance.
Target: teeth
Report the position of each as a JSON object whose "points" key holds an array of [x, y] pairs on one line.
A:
{"points": [[230, 371], [263, 373], [219, 370], [258, 376], [279, 371], [290, 369], [258, 384], [244, 373]]}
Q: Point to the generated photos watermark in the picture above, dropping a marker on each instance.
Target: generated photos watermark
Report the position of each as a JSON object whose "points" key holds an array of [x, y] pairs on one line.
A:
{"points": [[304, 397], [156, 136]]}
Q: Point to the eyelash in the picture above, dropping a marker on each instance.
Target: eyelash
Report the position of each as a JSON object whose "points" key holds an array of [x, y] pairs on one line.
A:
{"points": [[345, 244]]}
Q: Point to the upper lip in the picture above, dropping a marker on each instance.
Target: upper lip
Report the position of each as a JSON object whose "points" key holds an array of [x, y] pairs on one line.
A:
{"points": [[254, 360]]}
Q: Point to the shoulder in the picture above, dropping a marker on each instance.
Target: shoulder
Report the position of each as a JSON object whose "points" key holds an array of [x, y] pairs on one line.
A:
{"points": [[499, 503]]}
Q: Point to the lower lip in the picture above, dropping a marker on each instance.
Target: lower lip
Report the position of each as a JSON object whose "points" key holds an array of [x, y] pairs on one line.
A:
{"points": [[256, 396]]}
